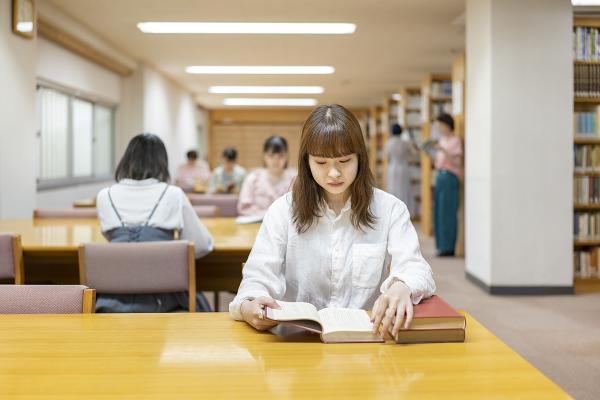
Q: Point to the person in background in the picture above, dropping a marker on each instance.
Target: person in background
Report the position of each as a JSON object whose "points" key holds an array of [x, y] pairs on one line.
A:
{"points": [[448, 163], [265, 185], [399, 151], [335, 240], [229, 176], [194, 174], [143, 207]]}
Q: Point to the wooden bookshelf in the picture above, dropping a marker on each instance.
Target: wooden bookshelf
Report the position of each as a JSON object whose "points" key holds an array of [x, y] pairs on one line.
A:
{"points": [[409, 116], [429, 102], [585, 104], [378, 132], [458, 113]]}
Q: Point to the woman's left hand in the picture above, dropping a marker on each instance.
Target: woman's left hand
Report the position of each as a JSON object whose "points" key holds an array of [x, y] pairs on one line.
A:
{"points": [[391, 307]]}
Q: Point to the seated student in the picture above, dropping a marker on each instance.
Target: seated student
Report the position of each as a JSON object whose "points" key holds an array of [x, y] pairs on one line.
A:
{"points": [[194, 173], [265, 185], [229, 176], [333, 239], [143, 207]]}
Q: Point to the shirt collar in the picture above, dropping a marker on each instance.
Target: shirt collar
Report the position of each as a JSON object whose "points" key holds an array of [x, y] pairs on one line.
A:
{"points": [[141, 182]]}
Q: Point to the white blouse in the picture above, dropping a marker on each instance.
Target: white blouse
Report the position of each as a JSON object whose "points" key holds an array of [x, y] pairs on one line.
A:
{"points": [[135, 199], [333, 264]]}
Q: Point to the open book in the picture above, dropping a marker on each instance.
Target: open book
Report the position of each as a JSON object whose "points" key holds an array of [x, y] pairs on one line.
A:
{"points": [[248, 219], [429, 147], [335, 325]]}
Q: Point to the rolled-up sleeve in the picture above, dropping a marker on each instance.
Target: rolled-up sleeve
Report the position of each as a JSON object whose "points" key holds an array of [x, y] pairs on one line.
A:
{"points": [[263, 273], [407, 263]]}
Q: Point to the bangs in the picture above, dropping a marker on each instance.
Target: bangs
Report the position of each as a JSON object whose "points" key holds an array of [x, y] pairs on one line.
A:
{"points": [[329, 140]]}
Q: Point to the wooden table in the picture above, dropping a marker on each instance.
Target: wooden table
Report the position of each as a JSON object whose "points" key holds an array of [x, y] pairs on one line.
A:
{"points": [[210, 356], [50, 250]]}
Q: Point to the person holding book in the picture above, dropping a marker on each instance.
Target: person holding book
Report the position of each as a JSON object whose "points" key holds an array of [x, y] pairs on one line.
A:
{"points": [[448, 163], [229, 176], [265, 185], [143, 207], [399, 151], [335, 240]]}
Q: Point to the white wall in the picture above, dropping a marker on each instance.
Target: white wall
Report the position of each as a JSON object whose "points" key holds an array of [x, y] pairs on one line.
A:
{"points": [[519, 142], [17, 120], [171, 113]]}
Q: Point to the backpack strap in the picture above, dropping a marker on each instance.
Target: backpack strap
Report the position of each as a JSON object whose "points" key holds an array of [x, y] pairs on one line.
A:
{"points": [[157, 203], [114, 208]]}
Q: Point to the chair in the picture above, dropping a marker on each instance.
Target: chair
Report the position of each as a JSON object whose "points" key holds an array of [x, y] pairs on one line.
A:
{"points": [[11, 258], [47, 299], [65, 213], [145, 267], [227, 203], [207, 211]]}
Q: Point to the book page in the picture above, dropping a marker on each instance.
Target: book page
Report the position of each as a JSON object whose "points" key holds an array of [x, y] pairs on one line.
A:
{"points": [[293, 311], [345, 319]]}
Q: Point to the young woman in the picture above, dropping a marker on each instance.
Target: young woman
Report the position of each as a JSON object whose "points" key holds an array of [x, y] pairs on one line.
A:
{"points": [[143, 207], [399, 150], [335, 240], [265, 185], [229, 176], [448, 163]]}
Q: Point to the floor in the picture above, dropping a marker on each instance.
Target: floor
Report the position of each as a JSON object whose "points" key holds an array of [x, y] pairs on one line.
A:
{"points": [[559, 335]]}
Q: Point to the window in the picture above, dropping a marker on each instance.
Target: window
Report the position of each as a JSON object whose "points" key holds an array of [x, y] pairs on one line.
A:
{"points": [[76, 137]]}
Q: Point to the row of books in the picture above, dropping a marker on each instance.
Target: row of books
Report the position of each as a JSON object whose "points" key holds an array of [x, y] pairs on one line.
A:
{"points": [[586, 124], [586, 189], [412, 101], [586, 45], [586, 225], [587, 80], [441, 108], [586, 263], [587, 158], [441, 89]]}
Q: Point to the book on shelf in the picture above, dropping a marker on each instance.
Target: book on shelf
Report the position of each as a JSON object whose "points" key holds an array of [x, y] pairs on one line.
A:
{"points": [[586, 190], [586, 225], [587, 80], [335, 325], [434, 321], [586, 158], [586, 124], [585, 263], [441, 88], [441, 108], [413, 101], [586, 46]]}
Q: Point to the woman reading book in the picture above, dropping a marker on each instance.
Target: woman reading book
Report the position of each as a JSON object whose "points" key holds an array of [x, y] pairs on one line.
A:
{"points": [[335, 240]]}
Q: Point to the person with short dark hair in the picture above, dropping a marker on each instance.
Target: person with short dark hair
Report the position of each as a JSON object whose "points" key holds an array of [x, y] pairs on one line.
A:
{"points": [[229, 176], [448, 163], [265, 185], [194, 174], [143, 207]]}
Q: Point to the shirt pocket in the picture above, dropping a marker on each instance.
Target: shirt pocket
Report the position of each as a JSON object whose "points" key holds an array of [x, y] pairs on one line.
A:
{"points": [[367, 264]]}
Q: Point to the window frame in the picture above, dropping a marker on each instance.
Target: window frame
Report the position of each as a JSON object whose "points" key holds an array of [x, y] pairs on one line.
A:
{"points": [[70, 180]]}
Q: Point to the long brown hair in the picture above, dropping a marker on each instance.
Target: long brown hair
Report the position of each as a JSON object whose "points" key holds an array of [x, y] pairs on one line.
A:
{"points": [[331, 131]]}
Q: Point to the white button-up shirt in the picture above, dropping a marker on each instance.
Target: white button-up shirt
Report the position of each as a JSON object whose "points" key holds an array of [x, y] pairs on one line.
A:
{"points": [[333, 264]]}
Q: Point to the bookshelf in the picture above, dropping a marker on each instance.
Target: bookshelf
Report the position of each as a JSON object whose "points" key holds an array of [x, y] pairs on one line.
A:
{"points": [[409, 117], [378, 133], [458, 113], [435, 98], [586, 148]]}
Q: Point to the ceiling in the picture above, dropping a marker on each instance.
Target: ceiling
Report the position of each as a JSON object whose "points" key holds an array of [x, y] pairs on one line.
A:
{"points": [[396, 42]]}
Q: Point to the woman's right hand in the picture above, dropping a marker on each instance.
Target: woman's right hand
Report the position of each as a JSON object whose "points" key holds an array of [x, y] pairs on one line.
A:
{"points": [[254, 313]]}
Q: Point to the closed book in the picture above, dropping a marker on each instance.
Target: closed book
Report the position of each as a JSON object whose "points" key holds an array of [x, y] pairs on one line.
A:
{"points": [[434, 321]]}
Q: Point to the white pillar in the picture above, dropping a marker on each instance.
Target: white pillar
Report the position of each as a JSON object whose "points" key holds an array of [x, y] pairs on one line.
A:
{"points": [[17, 120], [519, 130]]}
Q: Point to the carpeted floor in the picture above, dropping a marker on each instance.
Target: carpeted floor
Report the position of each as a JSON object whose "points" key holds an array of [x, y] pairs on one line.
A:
{"points": [[559, 335]]}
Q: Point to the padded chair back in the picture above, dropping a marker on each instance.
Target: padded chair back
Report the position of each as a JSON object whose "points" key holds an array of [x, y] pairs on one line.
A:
{"points": [[46, 299]]}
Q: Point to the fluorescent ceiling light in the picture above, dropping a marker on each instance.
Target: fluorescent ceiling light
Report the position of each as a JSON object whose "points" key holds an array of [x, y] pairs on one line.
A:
{"points": [[248, 28], [25, 26], [269, 102], [396, 96], [269, 70], [585, 2], [267, 89]]}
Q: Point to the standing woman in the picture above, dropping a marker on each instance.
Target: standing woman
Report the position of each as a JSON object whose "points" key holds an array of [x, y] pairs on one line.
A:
{"points": [[399, 152], [448, 163], [265, 185], [143, 207], [335, 240]]}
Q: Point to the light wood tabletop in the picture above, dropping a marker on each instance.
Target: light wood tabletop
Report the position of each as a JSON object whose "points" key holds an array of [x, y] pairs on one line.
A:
{"points": [[208, 355], [50, 249]]}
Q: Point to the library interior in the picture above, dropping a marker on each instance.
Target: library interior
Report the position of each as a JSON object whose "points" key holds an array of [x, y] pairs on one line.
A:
{"points": [[300, 199]]}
